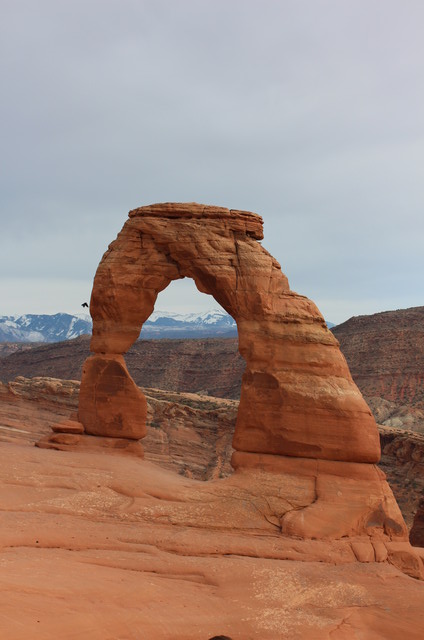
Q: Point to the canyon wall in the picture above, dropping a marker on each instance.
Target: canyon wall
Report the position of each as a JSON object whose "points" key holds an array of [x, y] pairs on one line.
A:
{"points": [[385, 354]]}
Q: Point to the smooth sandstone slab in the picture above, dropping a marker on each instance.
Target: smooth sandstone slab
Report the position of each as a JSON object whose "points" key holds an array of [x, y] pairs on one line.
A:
{"points": [[99, 546]]}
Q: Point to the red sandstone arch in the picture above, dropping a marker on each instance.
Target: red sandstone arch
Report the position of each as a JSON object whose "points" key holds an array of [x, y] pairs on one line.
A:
{"points": [[297, 398]]}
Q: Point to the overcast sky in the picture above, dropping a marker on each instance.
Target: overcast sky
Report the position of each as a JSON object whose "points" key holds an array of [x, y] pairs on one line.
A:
{"points": [[308, 112]]}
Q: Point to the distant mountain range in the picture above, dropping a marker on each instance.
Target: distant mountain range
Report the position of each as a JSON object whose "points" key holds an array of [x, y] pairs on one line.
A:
{"points": [[43, 328], [161, 324], [215, 323]]}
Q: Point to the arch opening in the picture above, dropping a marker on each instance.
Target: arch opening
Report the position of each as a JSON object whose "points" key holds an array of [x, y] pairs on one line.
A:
{"points": [[190, 373]]}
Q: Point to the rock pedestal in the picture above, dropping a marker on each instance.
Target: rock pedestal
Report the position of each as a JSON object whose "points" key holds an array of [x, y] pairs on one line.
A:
{"points": [[110, 403]]}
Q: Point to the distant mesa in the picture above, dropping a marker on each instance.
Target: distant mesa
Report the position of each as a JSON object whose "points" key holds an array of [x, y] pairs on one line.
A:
{"points": [[385, 353], [301, 419]]}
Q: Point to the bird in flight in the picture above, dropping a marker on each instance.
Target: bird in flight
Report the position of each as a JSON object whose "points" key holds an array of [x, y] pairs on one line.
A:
{"points": [[84, 304]]}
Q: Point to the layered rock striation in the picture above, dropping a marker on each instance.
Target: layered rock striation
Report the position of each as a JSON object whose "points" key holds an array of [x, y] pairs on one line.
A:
{"points": [[385, 353], [402, 460]]}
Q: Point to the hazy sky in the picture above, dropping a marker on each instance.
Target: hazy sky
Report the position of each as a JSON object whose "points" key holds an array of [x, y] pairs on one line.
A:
{"points": [[309, 112]]}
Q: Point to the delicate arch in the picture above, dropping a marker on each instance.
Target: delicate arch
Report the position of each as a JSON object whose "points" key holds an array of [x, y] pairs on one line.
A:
{"points": [[297, 396]]}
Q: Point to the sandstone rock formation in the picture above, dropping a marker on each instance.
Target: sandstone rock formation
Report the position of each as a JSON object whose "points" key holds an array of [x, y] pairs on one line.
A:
{"points": [[297, 395], [178, 365], [305, 440]]}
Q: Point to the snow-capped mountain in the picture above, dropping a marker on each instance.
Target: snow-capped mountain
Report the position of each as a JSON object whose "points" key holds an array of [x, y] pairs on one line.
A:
{"points": [[43, 328], [161, 324], [213, 323]]}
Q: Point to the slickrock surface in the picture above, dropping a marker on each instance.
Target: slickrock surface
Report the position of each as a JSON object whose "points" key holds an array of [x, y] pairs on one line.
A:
{"points": [[107, 546], [29, 408], [385, 354], [297, 396]]}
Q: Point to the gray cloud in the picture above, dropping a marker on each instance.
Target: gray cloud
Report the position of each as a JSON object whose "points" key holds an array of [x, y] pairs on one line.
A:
{"points": [[309, 113]]}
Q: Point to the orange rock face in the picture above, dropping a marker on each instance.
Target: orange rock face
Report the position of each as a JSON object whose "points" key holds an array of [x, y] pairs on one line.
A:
{"points": [[297, 397]]}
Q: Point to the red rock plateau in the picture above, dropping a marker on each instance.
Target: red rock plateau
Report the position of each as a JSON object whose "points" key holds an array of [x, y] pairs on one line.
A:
{"points": [[385, 354], [303, 540]]}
